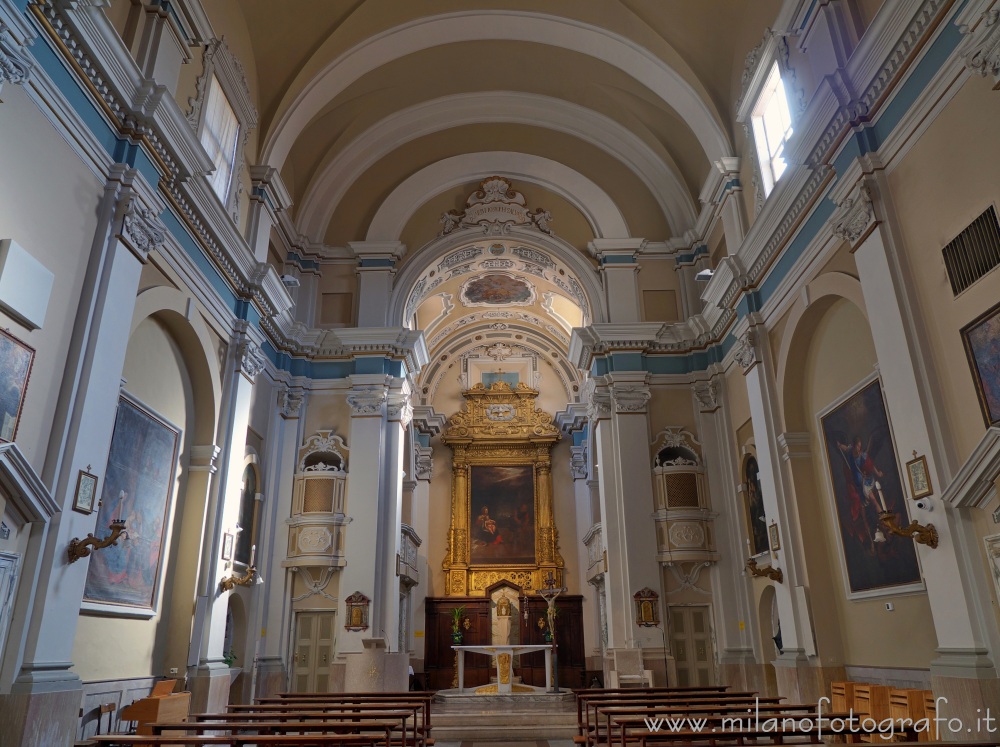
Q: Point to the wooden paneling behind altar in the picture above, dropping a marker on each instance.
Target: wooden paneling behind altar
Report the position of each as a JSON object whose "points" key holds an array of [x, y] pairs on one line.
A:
{"points": [[439, 659]]}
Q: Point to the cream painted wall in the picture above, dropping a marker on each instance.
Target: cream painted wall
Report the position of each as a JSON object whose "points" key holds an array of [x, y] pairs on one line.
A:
{"points": [[657, 275], [112, 647], [960, 149], [839, 356], [58, 238]]}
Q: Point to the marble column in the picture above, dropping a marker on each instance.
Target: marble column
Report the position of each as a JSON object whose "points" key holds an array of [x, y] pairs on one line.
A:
{"points": [[273, 613], [964, 671], [209, 681], [46, 694]]}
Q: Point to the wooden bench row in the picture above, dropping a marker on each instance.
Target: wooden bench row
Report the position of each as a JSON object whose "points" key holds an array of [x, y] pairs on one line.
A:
{"points": [[882, 702], [350, 719]]}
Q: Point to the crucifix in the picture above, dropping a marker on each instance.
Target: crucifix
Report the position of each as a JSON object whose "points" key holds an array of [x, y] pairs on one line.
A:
{"points": [[549, 594]]}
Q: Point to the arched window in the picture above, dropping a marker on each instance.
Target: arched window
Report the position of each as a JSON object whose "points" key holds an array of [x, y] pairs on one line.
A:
{"points": [[248, 516]]}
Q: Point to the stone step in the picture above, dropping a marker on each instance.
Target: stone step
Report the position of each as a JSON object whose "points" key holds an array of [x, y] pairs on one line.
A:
{"points": [[511, 731], [502, 718]]}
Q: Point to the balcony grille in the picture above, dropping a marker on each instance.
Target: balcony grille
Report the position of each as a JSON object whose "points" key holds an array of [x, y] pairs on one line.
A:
{"points": [[974, 252]]}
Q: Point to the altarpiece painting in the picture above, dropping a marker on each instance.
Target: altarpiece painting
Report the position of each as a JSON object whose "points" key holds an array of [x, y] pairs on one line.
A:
{"points": [[866, 481], [502, 526], [138, 485]]}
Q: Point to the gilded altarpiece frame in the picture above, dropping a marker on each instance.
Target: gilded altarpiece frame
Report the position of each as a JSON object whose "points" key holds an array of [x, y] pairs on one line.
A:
{"points": [[502, 450]]}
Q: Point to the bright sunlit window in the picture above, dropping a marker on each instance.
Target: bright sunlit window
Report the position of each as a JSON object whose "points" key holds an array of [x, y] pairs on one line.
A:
{"points": [[220, 135], [772, 126]]}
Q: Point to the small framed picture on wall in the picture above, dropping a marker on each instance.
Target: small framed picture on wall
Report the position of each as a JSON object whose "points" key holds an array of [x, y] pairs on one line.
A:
{"points": [[920, 479], [86, 490], [772, 531], [227, 546]]}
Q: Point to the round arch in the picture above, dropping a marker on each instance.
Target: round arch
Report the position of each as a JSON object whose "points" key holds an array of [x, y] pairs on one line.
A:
{"points": [[537, 342], [601, 212], [337, 175], [169, 306], [297, 110], [821, 292], [436, 248]]}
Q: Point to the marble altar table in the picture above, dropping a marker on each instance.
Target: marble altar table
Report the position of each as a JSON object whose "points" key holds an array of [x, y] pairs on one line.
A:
{"points": [[505, 663]]}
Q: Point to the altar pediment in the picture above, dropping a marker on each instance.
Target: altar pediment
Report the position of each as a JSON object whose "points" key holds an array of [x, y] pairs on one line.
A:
{"points": [[501, 412]]}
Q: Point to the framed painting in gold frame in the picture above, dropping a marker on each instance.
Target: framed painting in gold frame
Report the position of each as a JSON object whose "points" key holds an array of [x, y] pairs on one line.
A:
{"points": [[502, 526]]}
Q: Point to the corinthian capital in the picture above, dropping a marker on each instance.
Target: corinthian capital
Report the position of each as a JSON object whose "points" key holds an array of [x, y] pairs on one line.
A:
{"points": [[400, 409], [290, 403], [983, 58], [15, 65], [367, 402], [598, 400], [142, 230], [251, 358], [854, 216], [746, 351], [707, 395], [630, 398]]}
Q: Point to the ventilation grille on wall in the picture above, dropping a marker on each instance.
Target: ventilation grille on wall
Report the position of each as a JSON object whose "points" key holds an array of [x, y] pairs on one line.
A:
{"points": [[974, 252]]}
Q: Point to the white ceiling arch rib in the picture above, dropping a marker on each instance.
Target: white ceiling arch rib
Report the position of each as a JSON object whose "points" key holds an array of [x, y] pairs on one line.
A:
{"points": [[598, 208], [297, 110], [338, 174]]}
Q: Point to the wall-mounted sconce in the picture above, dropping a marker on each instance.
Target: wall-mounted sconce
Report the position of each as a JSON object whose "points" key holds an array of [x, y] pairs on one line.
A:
{"points": [[247, 579], [922, 535], [81, 548], [775, 574]]}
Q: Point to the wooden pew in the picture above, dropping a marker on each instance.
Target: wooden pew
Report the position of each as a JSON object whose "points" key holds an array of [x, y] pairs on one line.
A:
{"points": [[870, 701], [583, 695], [352, 728], [241, 740], [421, 701], [653, 703], [629, 727]]}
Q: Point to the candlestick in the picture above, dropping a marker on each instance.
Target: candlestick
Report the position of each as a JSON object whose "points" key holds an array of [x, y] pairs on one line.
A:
{"points": [[253, 554]]}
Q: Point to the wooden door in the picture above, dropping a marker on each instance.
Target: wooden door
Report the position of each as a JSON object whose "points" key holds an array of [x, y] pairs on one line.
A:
{"points": [[314, 640], [691, 645]]}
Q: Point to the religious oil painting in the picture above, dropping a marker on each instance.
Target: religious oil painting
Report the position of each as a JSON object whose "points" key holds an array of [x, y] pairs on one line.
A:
{"points": [[497, 289], [15, 368], [756, 519], [866, 482], [137, 488], [502, 513], [982, 346]]}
